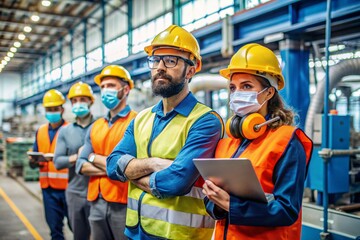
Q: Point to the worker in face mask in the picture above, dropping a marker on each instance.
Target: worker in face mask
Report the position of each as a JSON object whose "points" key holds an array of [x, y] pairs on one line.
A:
{"points": [[71, 139], [107, 198], [279, 152], [53, 182]]}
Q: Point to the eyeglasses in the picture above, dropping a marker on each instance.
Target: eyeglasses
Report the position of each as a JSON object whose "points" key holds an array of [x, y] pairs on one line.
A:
{"points": [[169, 61]]}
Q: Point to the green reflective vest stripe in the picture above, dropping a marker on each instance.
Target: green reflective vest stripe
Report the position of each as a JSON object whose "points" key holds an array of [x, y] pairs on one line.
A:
{"points": [[182, 217]]}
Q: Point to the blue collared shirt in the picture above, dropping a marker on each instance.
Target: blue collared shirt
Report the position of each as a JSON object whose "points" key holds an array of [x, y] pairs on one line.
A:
{"points": [[87, 149]]}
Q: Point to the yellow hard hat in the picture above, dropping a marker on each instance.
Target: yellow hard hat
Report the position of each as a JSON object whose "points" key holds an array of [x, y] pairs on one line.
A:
{"points": [[258, 60], [115, 71], [53, 98], [81, 89], [178, 37]]}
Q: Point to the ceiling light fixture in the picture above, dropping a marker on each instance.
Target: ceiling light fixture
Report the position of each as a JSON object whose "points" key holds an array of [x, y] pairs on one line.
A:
{"points": [[13, 49], [3, 62], [46, 3], [21, 36], [10, 54], [27, 29], [17, 44], [35, 17], [7, 58]]}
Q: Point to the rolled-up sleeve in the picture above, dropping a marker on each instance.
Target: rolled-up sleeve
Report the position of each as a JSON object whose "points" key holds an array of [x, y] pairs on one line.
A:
{"points": [[61, 160], [180, 176], [122, 154], [87, 149]]}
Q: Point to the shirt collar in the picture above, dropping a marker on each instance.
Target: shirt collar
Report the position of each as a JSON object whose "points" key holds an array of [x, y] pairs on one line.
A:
{"points": [[184, 107], [123, 113], [91, 121], [62, 123]]}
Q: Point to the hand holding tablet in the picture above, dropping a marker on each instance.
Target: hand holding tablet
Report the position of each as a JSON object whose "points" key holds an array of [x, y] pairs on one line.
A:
{"points": [[41, 157], [234, 175]]}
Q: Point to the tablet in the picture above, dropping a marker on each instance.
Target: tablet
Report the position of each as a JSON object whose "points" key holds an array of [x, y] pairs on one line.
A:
{"points": [[235, 175], [38, 156]]}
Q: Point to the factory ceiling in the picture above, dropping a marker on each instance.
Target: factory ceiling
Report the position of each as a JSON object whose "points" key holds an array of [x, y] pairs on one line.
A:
{"points": [[28, 28]]}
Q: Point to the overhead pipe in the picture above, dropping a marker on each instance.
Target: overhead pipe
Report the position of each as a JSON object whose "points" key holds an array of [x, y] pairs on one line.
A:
{"points": [[336, 73], [208, 82]]}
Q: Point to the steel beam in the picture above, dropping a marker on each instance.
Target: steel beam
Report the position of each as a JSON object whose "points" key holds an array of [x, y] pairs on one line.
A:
{"points": [[294, 18]]}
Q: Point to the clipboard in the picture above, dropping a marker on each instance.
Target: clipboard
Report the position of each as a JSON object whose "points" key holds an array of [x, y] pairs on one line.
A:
{"points": [[235, 175], [40, 157]]}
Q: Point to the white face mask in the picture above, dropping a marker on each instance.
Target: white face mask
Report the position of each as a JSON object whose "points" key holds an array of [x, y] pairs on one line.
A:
{"points": [[245, 102]]}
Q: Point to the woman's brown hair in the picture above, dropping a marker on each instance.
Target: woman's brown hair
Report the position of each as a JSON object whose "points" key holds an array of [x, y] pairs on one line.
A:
{"points": [[276, 107]]}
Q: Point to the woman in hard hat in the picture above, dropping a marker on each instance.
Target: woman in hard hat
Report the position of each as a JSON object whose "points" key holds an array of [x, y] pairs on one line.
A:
{"points": [[71, 139], [278, 151]]}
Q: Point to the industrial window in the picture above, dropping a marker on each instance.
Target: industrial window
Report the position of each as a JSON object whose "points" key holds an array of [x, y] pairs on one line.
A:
{"points": [[48, 77], [56, 74], [66, 72], [94, 59], [41, 81], [143, 35], [78, 66], [116, 49], [199, 13], [254, 3]]}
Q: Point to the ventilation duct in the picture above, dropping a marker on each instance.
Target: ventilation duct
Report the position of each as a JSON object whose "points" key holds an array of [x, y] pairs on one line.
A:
{"points": [[336, 74]]}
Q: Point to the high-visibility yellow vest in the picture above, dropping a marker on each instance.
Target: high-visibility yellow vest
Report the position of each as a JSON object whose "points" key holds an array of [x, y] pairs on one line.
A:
{"points": [[181, 217]]}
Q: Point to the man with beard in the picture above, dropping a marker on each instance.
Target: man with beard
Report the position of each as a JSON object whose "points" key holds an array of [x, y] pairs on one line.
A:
{"points": [[165, 198], [107, 197]]}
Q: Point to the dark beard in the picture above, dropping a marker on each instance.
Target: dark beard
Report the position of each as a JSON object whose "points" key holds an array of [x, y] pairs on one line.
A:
{"points": [[170, 89]]}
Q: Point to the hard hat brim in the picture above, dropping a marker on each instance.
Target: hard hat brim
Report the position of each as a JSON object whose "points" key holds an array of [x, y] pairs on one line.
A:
{"points": [[227, 72], [97, 80], [54, 104]]}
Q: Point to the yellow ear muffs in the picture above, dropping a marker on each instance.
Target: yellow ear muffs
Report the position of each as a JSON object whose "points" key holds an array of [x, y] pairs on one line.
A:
{"points": [[248, 126], [235, 126], [227, 128]]}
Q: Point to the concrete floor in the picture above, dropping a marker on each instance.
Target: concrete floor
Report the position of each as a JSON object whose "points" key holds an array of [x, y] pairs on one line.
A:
{"points": [[21, 211]]}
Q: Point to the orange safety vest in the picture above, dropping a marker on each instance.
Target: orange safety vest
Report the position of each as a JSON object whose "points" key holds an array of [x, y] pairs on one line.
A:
{"points": [[49, 175], [104, 139], [263, 152]]}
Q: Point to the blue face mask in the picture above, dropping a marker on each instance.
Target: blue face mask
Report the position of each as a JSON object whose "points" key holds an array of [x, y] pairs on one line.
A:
{"points": [[53, 117], [80, 109], [109, 98]]}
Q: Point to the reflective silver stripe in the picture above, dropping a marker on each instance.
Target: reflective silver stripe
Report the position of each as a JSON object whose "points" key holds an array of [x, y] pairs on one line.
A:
{"points": [[132, 203], [43, 174], [172, 216], [196, 192], [176, 217], [58, 175]]}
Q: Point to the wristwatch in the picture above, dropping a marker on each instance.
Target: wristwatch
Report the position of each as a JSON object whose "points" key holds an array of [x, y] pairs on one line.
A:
{"points": [[92, 157]]}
